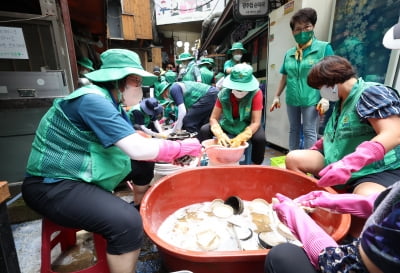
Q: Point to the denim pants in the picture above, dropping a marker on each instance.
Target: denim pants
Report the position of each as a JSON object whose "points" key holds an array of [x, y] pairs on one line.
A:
{"points": [[302, 117]]}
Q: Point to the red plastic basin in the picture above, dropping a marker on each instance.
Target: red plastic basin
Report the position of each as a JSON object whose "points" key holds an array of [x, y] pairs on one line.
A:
{"points": [[207, 183]]}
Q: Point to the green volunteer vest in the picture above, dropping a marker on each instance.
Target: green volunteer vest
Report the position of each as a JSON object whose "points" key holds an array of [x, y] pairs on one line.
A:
{"points": [[189, 76], [145, 116], [206, 75], [192, 91], [344, 132], [298, 92], [61, 150], [235, 126], [158, 86]]}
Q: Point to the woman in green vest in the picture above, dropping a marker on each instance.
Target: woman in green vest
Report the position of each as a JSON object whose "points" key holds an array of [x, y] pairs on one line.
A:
{"points": [[359, 151], [303, 103], [82, 151], [144, 117], [236, 117], [376, 250]]}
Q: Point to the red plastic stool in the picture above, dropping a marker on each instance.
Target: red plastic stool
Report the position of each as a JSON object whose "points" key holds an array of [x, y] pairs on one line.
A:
{"points": [[66, 237]]}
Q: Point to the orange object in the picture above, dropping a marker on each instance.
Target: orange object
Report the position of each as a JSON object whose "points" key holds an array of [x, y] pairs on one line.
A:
{"points": [[208, 183], [66, 237]]}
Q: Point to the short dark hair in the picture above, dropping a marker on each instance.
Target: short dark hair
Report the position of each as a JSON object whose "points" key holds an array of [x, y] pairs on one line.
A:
{"points": [[305, 15], [330, 71]]}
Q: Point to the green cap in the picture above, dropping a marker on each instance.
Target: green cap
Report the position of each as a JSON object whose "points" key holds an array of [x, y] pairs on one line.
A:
{"points": [[161, 87], [241, 78], [119, 63], [185, 56], [207, 61], [86, 62], [170, 76], [236, 46]]}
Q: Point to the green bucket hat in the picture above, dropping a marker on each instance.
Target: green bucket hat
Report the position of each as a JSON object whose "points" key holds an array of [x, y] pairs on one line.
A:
{"points": [[86, 62], [236, 46], [170, 76], [161, 87], [207, 61], [119, 63], [241, 78], [185, 56]]}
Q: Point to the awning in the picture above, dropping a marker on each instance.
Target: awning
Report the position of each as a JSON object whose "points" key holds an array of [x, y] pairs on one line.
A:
{"points": [[254, 33]]}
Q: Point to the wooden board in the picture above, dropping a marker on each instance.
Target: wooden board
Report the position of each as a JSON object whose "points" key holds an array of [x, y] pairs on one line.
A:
{"points": [[4, 192], [136, 20]]}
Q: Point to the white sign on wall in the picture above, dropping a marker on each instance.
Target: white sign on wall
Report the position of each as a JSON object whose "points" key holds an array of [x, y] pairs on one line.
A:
{"points": [[179, 11], [247, 9], [12, 43]]}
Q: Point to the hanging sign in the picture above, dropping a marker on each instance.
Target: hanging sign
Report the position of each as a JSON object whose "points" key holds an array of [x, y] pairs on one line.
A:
{"points": [[12, 43], [249, 9]]}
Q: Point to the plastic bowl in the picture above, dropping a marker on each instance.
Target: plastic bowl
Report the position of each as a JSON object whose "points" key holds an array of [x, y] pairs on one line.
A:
{"points": [[208, 183], [219, 155]]}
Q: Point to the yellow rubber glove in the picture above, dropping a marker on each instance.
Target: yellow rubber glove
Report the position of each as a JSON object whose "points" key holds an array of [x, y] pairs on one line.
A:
{"points": [[241, 138], [222, 138]]}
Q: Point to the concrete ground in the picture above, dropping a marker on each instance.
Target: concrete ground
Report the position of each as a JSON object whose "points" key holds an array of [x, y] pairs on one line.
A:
{"points": [[27, 237]]}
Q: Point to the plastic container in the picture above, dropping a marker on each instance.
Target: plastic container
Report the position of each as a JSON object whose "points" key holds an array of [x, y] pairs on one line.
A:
{"points": [[222, 156], [208, 183]]}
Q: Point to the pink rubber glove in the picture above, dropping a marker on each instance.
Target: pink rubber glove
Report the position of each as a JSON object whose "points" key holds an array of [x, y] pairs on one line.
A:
{"points": [[312, 236], [172, 150], [318, 145], [355, 204], [339, 172]]}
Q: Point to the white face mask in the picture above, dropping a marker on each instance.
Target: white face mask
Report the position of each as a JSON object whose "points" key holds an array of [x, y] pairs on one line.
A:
{"points": [[132, 95], [330, 93], [239, 94], [237, 57]]}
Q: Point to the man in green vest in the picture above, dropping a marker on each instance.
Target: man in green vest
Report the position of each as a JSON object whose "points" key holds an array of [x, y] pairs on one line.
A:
{"points": [[206, 66], [194, 101], [188, 69], [236, 51]]}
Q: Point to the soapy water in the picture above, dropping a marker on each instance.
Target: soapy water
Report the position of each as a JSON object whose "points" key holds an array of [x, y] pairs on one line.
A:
{"points": [[212, 226]]}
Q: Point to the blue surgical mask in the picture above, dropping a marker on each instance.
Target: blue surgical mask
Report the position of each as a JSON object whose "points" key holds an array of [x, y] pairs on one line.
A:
{"points": [[330, 93]]}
